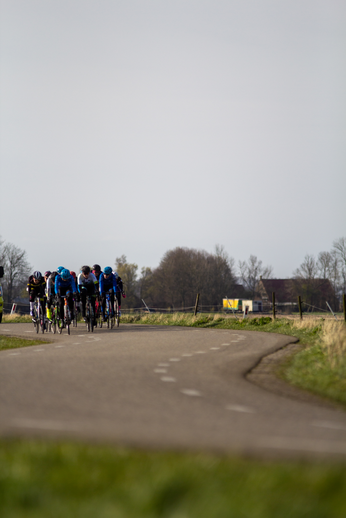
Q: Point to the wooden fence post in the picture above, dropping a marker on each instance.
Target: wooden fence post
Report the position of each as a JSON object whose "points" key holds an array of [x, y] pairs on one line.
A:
{"points": [[273, 298], [196, 305], [300, 307]]}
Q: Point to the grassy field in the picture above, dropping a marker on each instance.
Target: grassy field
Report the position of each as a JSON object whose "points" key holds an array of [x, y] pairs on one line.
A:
{"points": [[45, 479], [40, 480]]}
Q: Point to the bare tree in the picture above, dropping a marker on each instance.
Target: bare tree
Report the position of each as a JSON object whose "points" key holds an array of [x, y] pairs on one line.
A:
{"points": [[250, 273], [324, 262], [308, 269], [339, 248], [16, 271]]}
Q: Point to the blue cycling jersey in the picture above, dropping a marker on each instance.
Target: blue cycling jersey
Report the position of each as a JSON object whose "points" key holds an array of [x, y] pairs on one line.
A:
{"points": [[107, 284], [69, 284]]}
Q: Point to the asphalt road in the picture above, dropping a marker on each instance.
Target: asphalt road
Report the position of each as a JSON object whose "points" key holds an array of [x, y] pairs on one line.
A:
{"points": [[160, 388]]}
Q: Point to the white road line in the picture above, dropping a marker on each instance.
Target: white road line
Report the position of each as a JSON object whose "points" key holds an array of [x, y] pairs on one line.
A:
{"points": [[168, 379], [13, 354], [174, 359], [187, 354], [240, 408], [214, 348], [329, 424], [200, 352], [76, 343], [38, 350], [191, 392], [29, 331], [233, 341], [2, 329], [162, 371], [225, 344], [57, 346], [163, 364]]}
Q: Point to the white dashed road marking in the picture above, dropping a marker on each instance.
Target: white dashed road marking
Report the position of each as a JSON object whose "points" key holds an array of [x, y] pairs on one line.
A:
{"points": [[191, 392], [13, 354], [162, 371], [163, 364], [214, 348], [187, 354], [240, 408], [174, 359], [329, 424], [168, 379]]}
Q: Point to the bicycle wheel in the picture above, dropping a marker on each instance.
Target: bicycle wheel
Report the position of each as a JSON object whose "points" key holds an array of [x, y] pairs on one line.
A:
{"points": [[91, 320], [87, 314], [116, 311], [54, 320]]}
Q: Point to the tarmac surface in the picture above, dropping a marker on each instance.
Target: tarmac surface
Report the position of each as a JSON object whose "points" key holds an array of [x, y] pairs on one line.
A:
{"points": [[170, 388]]}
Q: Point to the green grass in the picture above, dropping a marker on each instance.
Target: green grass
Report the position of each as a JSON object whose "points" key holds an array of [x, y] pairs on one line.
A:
{"points": [[12, 342], [47, 480]]}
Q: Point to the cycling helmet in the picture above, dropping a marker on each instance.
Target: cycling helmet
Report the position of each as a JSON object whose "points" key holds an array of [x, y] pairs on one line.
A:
{"points": [[85, 269], [37, 275], [107, 270], [97, 268], [73, 274], [60, 269], [65, 274], [47, 273]]}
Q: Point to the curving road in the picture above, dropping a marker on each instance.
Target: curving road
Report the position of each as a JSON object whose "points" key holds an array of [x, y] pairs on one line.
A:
{"points": [[160, 387]]}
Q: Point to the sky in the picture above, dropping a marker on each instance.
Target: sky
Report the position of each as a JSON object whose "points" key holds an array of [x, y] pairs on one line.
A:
{"points": [[132, 127]]}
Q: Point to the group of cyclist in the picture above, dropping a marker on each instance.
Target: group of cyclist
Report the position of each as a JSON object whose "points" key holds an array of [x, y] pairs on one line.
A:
{"points": [[52, 287]]}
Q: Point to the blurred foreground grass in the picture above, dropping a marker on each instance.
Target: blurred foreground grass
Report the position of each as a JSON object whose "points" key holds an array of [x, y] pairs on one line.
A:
{"points": [[56, 480]]}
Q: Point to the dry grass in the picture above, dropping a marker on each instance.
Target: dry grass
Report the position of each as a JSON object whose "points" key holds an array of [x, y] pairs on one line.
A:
{"points": [[333, 341]]}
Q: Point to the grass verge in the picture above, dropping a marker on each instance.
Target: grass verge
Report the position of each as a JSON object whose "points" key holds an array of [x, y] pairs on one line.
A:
{"points": [[40, 480], [12, 342]]}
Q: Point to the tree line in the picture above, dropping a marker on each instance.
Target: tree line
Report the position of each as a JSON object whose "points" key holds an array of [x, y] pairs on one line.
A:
{"points": [[183, 272], [16, 270]]}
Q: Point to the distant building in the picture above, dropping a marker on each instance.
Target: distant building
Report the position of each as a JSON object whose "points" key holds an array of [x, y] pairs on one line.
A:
{"points": [[314, 293]]}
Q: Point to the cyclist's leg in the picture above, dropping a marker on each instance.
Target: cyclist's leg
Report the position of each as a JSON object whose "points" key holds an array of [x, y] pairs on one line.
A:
{"points": [[112, 302], [103, 296], [83, 296], [118, 295]]}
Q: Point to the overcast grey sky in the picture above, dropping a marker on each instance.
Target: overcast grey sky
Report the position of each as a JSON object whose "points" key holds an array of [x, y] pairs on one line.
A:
{"points": [[136, 126]]}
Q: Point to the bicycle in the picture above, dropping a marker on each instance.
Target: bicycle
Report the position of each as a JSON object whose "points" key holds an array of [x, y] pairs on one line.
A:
{"points": [[66, 322], [109, 313], [52, 322], [89, 312], [38, 317], [116, 312], [98, 312], [76, 311]]}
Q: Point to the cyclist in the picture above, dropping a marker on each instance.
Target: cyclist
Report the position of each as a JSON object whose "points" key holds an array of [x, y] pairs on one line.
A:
{"points": [[50, 292], [65, 286], [86, 286], [96, 270], [120, 290], [108, 282], [36, 288]]}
